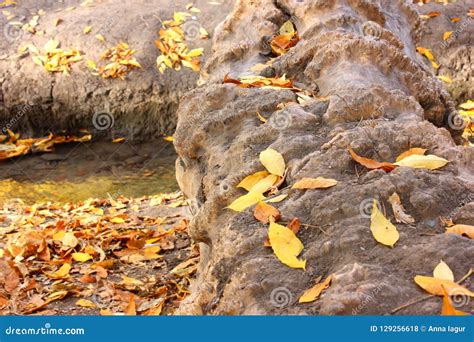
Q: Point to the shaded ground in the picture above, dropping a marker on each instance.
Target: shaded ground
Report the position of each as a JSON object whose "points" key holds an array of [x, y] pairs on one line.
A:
{"points": [[79, 171]]}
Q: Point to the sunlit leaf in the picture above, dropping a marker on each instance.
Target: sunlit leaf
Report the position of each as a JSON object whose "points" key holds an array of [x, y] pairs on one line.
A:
{"points": [[382, 229], [442, 271], [246, 201], [286, 245], [314, 183], [273, 161]]}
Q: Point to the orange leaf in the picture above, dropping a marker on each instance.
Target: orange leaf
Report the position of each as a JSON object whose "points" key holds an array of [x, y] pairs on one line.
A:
{"points": [[264, 211], [314, 183], [436, 286], [313, 293], [371, 164], [461, 229], [448, 309]]}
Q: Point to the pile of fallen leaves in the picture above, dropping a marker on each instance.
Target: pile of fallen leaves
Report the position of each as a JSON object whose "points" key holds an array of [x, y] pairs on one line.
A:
{"points": [[285, 40], [120, 62], [467, 114], [262, 82], [174, 51], [54, 59], [98, 256], [12, 146]]}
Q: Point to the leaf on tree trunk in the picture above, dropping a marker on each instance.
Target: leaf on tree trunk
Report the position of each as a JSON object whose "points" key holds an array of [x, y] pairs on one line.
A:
{"points": [[263, 212]]}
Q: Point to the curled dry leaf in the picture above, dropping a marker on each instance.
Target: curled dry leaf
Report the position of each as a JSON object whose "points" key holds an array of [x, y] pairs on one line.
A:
{"points": [[382, 229], [263, 212], [286, 245], [461, 229], [399, 211], [314, 183], [371, 164], [313, 293]]}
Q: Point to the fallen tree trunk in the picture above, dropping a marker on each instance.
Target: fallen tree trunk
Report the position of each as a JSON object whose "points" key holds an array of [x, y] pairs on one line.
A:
{"points": [[375, 95]]}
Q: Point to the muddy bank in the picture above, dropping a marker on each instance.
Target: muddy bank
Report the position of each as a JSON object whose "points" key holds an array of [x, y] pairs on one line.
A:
{"points": [[369, 90], [36, 102]]}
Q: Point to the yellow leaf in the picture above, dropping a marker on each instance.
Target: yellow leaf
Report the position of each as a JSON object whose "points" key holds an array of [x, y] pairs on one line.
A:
{"points": [[100, 37], [117, 220], [69, 240], [195, 52], [131, 281], [313, 293], [168, 138], [286, 245], [118, 140], [91, 64], [277, 199], [248, 182], [445, 79], [435, 286], [447, 34], [81, 257], [382, 229], [58, 236], [86, 303], [425, 52], [430, 162], [261, 118], [468, 105], [442, 271], [265, 184], [413, 150], [61, 273], [314, 183], [51, 45], [273, 162], [87, 29], [246, 201], [287, 28]]}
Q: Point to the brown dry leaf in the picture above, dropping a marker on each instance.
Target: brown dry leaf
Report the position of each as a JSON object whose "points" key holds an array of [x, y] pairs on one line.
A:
{"points": [[286, 39], [313, 293], [186, 268], [58, 21], [263, 212], [436, 286], [131, 308], [414, 150], [314, 183], [371, 164], [461, 229], [399, 211]]}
